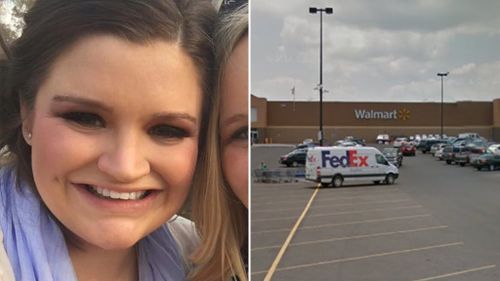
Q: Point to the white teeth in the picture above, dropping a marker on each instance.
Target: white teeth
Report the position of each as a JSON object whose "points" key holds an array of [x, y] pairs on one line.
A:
{"points": [[114, 195], [118, 195]]}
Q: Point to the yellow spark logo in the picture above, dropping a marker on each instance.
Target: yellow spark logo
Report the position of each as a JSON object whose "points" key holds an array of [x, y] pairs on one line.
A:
{"points": [[404, 114]]}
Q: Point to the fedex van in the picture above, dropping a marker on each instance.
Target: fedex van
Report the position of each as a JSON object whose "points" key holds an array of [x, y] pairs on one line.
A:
{"points": [[336, 165]]}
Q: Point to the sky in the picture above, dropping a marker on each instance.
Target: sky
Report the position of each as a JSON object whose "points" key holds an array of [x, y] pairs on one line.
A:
{"points": [[376, 50]]}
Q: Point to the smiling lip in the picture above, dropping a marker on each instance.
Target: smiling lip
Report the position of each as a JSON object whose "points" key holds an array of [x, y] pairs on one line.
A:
{"points": [[115, 201]]}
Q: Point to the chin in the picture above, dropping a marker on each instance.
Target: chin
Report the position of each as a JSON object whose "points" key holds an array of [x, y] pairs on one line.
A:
{"points": [[114, 242], [115, 239]]}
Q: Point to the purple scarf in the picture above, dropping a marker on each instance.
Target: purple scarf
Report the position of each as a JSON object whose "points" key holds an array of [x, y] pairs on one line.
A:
{"points": [[37, 250]]}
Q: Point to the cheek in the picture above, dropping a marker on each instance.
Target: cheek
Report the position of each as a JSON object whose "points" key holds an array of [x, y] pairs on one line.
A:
{"points": [[176, 165], [235, 165], [57, 150]]}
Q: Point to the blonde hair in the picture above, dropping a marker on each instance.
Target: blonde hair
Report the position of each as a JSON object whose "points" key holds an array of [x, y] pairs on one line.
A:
{"points": [[220, 217]]}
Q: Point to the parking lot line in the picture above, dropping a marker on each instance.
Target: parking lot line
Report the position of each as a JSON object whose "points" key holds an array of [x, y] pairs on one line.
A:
{"points": [[343, 223], [321, 200], [282, 251], [294, 196], [343, 213], [362, 189], [458, 273], [336, 205], [355, 237], [364, 257]]}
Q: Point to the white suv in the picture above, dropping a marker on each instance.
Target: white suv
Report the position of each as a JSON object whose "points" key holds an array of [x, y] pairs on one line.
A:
{"points": [[399, 141], [383, 139]]}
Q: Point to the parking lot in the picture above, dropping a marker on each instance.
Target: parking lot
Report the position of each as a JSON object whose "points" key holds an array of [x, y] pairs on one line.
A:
{"points": [[438, 222]]}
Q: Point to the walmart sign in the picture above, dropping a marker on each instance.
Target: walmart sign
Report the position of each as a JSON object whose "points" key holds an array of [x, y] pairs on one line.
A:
{"points": [[364, 114]]}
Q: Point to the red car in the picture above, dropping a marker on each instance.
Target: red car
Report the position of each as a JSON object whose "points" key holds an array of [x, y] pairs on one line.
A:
{"points": [[408, 149]]}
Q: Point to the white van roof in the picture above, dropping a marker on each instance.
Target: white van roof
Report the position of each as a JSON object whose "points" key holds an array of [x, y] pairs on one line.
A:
{"points": [[361, 148]]}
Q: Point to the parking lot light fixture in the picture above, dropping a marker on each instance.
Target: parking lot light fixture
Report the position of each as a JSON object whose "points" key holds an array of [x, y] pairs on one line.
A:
{"points": [[442, 74], [314, 10]]}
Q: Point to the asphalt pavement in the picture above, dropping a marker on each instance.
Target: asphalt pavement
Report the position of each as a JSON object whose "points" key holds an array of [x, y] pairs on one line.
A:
{"points": [[438, 222]]}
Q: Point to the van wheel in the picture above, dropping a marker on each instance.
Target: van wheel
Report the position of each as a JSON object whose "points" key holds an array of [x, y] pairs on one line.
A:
{"points": [[337, 181], [389, 179], [376, 182], [448, 162], [295, 164], [324, 184], [492, 167], [462, 164]]}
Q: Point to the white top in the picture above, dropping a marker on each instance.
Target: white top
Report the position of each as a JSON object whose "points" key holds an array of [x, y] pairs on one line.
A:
{"points": [[186, 237], [6, 273]]}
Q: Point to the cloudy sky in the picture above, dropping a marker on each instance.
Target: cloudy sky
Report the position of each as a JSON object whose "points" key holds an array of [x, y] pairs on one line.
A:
{"points": [[377, 50]]}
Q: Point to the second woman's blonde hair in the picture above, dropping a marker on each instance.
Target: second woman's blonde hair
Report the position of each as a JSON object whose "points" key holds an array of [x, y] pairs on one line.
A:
{"points": [[220, 217]]}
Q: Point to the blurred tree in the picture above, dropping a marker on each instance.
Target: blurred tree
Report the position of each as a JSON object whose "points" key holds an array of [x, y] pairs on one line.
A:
{"points": [[11, 19]]}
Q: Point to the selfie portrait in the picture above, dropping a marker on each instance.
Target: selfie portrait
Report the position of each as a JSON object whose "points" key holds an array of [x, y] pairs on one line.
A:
{"points": [[112, 147]]}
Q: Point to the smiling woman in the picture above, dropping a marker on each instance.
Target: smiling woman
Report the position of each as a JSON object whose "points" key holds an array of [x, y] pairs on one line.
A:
{"points": [[103, 121], [225, 249]]}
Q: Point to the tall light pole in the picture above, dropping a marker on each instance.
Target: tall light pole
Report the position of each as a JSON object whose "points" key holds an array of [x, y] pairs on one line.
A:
{"points": [[314, 10], [442, 74]]}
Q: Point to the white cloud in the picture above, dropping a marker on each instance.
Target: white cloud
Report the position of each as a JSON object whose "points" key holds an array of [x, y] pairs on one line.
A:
{"points": [[464, 69], [383, 50]]}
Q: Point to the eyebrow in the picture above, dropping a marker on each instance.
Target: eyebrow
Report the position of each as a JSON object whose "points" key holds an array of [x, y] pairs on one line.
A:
{"points": [[82, 101], [96, 104], [235, 118], [175, 115]]}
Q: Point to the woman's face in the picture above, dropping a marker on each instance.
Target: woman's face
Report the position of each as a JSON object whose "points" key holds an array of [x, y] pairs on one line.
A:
{"points": [[114, 138], [234, 121]]}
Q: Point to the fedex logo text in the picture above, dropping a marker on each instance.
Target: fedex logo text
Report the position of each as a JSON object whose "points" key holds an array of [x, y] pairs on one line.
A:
{"points": [[351, 159]]}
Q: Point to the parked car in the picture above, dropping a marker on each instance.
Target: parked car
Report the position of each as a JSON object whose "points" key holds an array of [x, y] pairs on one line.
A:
{"points": [[359, 141], [449, 152], [408, 149], [346, 143], [469, 135], [351, 141], [294, 158], [494, 148], [472, 149], [435, 147], [393, 155], [383, 139], [488, 160], [425, 145], [399, 141], [439, 153]]}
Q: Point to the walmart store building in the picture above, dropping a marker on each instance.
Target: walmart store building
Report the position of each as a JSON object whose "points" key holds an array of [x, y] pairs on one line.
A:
{"points": [[292, 122]]}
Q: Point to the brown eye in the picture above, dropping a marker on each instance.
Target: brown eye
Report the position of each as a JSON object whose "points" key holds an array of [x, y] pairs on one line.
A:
{"points": [[168, 132], [240, 134], [85, 119]]}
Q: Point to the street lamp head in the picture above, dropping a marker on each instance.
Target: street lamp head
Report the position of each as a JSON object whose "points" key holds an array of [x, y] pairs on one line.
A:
{"points": [[329, 10], [443, 74], [313, 10]]}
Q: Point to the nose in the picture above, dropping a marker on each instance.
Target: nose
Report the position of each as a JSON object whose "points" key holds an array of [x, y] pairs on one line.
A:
{"points": [[124, 159]]}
